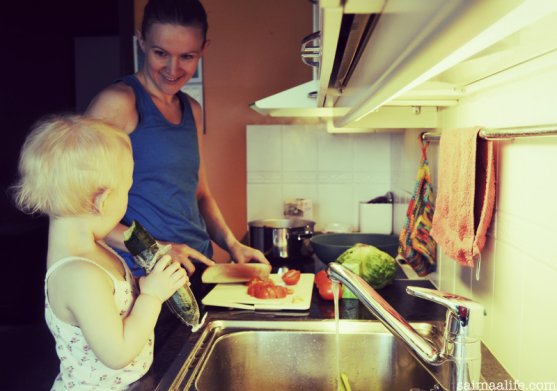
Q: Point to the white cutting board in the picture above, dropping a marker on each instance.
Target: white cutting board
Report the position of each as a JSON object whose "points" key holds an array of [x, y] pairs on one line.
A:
{"points": [[236, 296]]}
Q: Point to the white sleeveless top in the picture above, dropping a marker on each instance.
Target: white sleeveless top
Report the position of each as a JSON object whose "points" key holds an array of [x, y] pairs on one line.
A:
{"points": [[80, 369]]}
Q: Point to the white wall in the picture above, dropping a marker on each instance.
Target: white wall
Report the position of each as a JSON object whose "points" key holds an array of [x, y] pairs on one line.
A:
{"points": [[304, 161]]}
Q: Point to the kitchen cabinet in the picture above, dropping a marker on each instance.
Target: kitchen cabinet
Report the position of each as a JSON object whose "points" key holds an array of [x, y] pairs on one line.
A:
{"points": [[413, 59]]}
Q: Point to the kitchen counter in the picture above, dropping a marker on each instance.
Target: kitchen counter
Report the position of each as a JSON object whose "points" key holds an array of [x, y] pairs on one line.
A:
{"points": [[174, 340]]}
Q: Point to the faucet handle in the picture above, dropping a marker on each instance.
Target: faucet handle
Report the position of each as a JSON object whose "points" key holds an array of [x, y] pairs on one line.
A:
{"points": [[468, 313]]}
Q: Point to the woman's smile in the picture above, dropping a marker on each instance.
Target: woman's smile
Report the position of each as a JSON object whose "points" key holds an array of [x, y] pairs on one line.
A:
{"points": [[172, 53], [172, 79]]}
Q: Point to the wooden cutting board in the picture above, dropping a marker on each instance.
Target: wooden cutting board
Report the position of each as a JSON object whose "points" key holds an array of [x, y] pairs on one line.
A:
{"points": [[236, 296]]}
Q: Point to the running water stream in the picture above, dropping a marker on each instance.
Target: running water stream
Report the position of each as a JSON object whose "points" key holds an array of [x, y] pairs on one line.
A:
{"points": [[336, 289], [341, 380]]}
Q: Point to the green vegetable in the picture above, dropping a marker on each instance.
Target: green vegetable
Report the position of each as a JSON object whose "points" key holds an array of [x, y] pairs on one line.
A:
{"points": [[146, 252], [376, 267]]}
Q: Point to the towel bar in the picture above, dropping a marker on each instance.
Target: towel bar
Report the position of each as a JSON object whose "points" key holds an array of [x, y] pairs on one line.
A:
{"points": [[504, 133]]}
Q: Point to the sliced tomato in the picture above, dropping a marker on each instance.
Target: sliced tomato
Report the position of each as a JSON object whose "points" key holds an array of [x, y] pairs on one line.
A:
{"points": [[280, 292], [256, 286], [253, 280], [291, 277], [266, 289]]}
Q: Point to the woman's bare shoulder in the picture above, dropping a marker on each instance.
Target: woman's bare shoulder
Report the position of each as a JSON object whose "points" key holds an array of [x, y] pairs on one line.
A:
{"points": [[193, 103], [115, 104], [197, 112]]}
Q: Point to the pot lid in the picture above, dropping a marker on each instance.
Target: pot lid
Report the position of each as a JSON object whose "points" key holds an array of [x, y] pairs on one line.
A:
{"points": [[281, 223]]}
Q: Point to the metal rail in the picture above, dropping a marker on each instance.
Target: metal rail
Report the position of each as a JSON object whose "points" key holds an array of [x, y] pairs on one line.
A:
{"points": [[504, 133]]}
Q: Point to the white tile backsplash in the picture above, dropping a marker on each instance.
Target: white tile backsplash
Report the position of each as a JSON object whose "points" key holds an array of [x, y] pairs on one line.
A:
{"points": [[336, 204], [335, 152], [264, 201], [528, 236], [336, 171], [537, 353], [264, 149], [300, 190], [299, 148], [371, 153], [364, 191], [483, 288], [508, 307], [530, 177]]}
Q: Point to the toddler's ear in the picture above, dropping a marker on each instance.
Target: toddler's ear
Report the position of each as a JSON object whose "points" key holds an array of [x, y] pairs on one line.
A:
{"points": [[99, 200]]}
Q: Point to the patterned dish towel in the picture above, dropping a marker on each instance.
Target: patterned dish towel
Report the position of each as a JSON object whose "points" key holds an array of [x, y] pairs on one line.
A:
{"points": [[417, 247]]}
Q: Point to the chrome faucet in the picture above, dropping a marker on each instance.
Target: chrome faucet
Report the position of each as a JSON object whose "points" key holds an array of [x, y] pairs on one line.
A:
{"points": [[456, 363]]}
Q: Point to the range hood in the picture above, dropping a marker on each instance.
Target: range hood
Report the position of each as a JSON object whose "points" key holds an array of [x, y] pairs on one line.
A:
{"points": [[378, 60]]}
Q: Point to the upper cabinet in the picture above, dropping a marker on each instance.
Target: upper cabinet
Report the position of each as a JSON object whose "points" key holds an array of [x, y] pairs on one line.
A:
{"points": [[394, 63]]}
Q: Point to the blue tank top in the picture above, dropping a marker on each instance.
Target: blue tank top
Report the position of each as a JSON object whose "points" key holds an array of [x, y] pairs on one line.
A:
{"points": [[165, 176]]}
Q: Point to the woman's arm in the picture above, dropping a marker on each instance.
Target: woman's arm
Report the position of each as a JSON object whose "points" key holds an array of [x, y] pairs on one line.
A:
{"points": [[116, 105], [218, 230]]}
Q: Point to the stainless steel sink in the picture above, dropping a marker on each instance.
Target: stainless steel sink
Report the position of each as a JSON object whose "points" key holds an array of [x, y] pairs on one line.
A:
{"points": [[298, 355]]}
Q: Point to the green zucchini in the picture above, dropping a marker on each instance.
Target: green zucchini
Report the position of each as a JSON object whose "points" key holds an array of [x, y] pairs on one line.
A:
{"points": [[146, 252]]}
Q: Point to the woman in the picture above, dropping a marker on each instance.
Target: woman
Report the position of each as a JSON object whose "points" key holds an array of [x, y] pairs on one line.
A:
{"points": [[170, 195]]}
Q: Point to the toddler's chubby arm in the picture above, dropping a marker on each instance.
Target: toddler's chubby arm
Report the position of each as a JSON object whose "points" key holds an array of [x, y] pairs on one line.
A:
{"points": [[89, 298]]}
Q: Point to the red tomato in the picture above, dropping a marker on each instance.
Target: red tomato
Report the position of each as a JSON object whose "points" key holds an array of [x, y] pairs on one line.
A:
{"points": [[326, 290], [280, 292], [325, 286], [266, 289], [265, 292], [256, 285], [320, 277], [291, 277]]}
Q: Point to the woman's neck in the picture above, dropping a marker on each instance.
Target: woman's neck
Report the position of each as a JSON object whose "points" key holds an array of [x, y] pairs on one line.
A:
{"points": [[153, 91]]}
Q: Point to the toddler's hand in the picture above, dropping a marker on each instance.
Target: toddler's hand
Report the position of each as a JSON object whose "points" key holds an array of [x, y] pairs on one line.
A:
{"points": [[165, 278]]}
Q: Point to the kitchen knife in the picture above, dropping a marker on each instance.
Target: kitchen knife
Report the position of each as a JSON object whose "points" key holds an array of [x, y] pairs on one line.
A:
{"points": [[234, 272]]}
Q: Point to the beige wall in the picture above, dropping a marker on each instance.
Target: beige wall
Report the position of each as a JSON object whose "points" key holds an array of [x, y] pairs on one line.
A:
{"points": [[254, 52]]}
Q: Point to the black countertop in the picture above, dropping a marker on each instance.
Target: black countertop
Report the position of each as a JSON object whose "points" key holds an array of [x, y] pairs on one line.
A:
{"points": [[172, 336]]}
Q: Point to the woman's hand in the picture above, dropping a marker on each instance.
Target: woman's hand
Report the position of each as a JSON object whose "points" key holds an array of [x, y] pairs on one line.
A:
{"points": [[244, 254], [164, 279], [184, 254]]}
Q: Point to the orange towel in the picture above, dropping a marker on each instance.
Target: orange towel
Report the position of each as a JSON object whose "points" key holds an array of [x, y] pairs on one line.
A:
{"points": [[465, 196]]}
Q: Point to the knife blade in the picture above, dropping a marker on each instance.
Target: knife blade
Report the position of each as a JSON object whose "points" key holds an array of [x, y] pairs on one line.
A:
{"points": [[235, 272]]}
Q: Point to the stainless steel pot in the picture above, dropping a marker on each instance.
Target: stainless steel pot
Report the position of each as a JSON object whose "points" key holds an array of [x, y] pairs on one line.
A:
{"points": [[281, 239]]}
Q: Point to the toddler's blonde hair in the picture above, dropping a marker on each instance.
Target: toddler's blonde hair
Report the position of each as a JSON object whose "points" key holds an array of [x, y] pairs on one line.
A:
{"points": [[65, 161]]}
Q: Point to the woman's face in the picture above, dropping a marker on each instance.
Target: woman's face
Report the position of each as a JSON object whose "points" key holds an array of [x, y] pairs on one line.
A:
{"points": [[171, 55]]}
